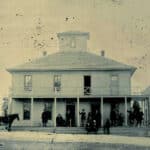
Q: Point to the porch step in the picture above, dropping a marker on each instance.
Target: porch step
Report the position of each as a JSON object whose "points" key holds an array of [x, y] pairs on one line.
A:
{"points": [[128, 131], [71, 130]]}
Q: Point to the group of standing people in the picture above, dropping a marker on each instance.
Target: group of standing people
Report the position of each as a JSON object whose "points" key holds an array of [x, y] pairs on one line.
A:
{"points": [[135, 117], [116, 117], [93, 120], [90, 117]]}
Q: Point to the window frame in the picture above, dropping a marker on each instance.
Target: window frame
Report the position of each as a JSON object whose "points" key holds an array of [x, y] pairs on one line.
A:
{"points": [[27, 86], [114, 77], [73, 43], [114, 90], [57, 83]]}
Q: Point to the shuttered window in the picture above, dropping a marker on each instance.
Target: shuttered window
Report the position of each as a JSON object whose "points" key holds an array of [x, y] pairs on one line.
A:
{"points": [[57, 83], [28, 83]]}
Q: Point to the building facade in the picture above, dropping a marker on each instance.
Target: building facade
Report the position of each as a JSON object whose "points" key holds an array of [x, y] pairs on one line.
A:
{"points": [[71, 79]]}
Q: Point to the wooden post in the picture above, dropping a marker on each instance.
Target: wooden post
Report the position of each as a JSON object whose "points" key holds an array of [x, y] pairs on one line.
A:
{"points": [[32, 111], [148, 110], [10, 111], [102, 121], [126, 107], [55, 107], [78, 108]]}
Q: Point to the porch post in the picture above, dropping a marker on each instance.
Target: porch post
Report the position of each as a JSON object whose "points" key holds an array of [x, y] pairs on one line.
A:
{"points": [[126, 118], [55, 107], [149, 109], [145, 113], [102, 122], [78, 108], [10, 105], [32, 111]]}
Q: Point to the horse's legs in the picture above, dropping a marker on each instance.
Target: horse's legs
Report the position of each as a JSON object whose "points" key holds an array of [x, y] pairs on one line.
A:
{"points": [[9, 126]]}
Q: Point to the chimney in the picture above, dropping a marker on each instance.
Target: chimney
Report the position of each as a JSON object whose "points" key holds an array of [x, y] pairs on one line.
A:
{"points": [[44, 53], [102, 53]]}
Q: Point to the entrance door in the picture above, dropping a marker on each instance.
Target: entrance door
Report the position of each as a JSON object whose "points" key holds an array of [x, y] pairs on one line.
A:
{"points": [[70, 115], [87, 85], [96, 115], [95, 107]]}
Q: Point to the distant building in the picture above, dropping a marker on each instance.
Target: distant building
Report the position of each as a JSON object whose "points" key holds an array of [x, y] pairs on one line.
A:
{"points": [[71, 79]]}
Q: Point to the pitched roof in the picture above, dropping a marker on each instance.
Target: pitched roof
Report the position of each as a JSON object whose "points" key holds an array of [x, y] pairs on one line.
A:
{"points": [[71, 60]]}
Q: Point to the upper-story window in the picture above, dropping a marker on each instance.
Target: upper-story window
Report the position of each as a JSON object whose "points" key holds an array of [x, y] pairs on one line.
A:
{"points": [[28, 82], [73, 43], [114, 77], [87, 85], [114, 85], [57, 83]]}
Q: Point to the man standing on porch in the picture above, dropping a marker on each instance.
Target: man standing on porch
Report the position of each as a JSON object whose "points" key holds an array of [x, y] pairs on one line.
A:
{"points": [[83, 117]]}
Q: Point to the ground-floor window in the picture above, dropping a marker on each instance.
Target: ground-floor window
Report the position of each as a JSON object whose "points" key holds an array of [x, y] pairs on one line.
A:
{"points": [[26, 110]]}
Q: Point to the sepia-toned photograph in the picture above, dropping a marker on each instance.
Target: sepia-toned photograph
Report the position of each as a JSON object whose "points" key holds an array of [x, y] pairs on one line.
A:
{"points": [[74, 75]]}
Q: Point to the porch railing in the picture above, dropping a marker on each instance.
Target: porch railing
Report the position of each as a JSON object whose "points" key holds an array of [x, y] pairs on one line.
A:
{"points": [[74, 91]]}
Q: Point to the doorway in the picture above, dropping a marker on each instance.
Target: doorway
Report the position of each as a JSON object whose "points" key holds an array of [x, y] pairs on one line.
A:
{"points": [[95, 107], [87, 85], [70, 115]]}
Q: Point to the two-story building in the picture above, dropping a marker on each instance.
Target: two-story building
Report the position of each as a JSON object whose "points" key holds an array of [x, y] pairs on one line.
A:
{"points": [[71, 79]]}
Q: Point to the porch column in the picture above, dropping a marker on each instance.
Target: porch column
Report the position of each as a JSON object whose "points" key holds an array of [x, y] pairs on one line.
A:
{"points": [[102, 121], [145, 113], [149, 109], [78, 108], [126, 107], [32, 111], [10, 106], [55, 107]]}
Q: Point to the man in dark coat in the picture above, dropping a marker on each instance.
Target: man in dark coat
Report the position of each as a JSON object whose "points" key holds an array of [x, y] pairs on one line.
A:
{"points": [[83, 117], [107, 127], [59, 120], [97, 118], [68, 118], [44, 118]]}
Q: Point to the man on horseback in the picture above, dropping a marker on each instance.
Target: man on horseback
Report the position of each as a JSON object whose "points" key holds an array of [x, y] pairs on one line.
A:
{"points": [[5, 118]]}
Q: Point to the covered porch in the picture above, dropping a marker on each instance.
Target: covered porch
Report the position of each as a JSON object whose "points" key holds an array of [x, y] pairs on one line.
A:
{"points": [[60, 105]]}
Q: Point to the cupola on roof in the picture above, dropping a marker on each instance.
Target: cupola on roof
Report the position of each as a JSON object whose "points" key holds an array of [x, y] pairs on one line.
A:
{"points": [[73, 55], [73, 41]]}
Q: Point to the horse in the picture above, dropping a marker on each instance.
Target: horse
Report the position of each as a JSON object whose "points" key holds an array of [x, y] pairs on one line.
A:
{"points": [[8, 120]]}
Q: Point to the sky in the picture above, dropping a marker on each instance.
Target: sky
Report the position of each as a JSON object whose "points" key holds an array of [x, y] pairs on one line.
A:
{"points": [[120, 27]]}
